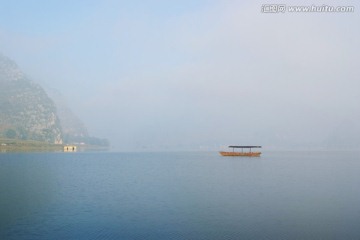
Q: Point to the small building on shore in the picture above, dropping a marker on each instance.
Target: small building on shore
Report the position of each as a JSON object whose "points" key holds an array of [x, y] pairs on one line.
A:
{"points": [[70, 148]]}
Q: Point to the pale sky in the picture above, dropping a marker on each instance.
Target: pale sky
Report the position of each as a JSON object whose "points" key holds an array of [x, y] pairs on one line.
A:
{"points": [[176, 75]]}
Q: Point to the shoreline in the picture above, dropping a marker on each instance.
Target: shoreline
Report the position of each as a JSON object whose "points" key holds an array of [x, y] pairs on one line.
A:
{"points": [[30, 146]]}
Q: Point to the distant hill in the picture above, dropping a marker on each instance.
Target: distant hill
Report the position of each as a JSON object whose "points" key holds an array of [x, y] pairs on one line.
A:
{"points": [[28, 113], [73, 129]]}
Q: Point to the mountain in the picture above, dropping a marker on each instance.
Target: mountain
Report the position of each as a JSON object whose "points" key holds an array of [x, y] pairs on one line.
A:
{"points": [[26, 111]]}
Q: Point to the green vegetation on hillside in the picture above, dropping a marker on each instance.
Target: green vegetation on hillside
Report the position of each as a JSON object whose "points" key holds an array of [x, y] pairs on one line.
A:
{"points": [[16, 145]]}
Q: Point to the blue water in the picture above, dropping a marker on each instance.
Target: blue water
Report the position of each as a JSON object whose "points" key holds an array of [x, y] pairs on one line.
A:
{"points": [[281, 195]]}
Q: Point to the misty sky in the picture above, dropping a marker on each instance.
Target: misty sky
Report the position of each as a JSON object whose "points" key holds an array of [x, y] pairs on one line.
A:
{"points": [[164, 74]]}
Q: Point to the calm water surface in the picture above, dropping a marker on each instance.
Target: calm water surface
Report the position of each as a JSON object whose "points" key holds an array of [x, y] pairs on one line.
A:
{"points": [[281, 195]]}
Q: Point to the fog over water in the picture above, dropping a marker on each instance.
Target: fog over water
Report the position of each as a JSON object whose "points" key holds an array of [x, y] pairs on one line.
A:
{"points": [[195, 74]]}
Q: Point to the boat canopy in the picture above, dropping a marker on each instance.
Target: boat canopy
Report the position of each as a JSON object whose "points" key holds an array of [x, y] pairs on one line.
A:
{"points": [[244, 146]]}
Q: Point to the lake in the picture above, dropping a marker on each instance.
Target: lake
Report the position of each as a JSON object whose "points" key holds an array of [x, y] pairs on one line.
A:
{"points": [[180, 195]]}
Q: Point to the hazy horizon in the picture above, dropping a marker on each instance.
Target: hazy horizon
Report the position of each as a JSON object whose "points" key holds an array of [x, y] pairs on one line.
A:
{"points": [[195, 75]]}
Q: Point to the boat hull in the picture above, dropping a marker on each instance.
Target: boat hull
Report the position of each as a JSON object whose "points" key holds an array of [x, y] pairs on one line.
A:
{"points": [[240, 154]]}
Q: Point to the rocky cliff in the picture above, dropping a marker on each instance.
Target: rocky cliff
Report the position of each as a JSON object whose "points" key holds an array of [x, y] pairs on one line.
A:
{"points": [[26, 111]]}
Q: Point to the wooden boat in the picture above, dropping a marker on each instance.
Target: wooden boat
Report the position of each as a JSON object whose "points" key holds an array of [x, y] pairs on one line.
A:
{"points": [[242, 153]]}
